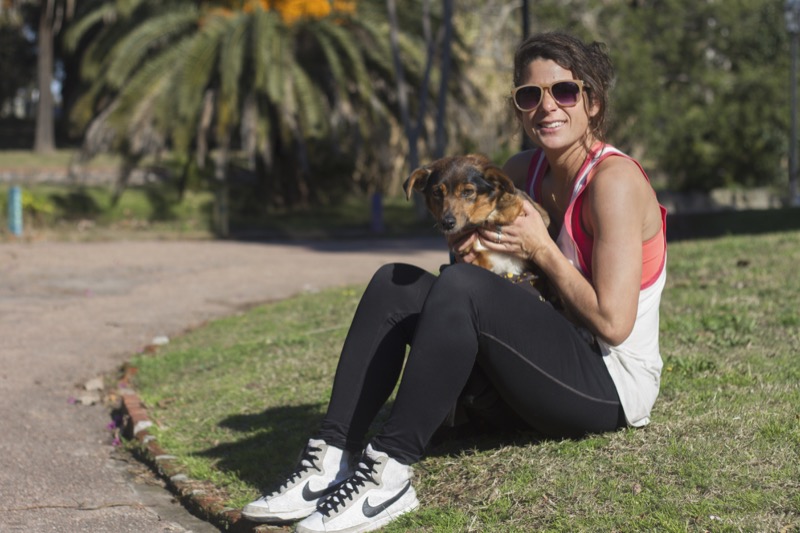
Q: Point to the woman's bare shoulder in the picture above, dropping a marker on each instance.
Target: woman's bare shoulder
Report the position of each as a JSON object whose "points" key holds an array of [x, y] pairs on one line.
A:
{"points": [[616, 175], [619, 191]]}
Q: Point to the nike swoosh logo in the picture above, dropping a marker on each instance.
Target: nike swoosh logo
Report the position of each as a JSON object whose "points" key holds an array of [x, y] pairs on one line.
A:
{"points": [[313, 495], [371, 512]]}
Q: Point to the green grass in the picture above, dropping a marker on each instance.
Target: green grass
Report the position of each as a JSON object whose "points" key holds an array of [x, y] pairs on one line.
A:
{"points": [[66, 212], [28, 159], [348, 217], [60, 212], [69, 211], [236, 400]]}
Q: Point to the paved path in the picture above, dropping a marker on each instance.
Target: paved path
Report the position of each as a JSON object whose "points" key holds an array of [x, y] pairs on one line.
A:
{"points": [[72, 312]]}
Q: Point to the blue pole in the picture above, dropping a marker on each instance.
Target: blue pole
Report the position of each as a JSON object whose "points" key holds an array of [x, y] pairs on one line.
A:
{"points": [[15, 210], [376, 219]]}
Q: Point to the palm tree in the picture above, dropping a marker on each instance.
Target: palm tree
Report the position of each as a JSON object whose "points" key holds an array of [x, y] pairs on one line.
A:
{"points": [[267, 80], [52, 15], [168, 65]]}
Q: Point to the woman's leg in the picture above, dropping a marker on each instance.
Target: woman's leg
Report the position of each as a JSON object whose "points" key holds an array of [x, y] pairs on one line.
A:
{"points": [[373, 353], [467, 311], [368, 370], [534, 357]]}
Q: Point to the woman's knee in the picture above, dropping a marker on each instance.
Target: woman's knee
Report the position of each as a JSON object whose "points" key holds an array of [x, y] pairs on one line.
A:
{"points": [[400, 275], [399, 281], [460, 274], [467, 281]]}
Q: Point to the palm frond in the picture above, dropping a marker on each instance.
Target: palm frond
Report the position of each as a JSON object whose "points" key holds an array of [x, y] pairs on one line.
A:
{"points": [[157, 33], [147, 78], [308, 102], [81, 27], [272, 50], [231, 61], [337, 39]]}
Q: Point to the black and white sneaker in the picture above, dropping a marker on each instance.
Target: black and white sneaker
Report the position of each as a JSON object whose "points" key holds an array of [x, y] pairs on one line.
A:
{"points": [[320, 469], [378, 492]]}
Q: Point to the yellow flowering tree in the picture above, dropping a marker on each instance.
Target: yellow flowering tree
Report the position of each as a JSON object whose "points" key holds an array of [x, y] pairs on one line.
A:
{"points": [[291, 11], [267, 81]]}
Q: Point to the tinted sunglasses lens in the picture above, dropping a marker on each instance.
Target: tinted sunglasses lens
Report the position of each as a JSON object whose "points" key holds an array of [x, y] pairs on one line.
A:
{"points": [[566, 93], [528, 97]]}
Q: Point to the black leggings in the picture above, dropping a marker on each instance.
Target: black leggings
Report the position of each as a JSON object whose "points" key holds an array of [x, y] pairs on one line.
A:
{"points": [[466, 317]]}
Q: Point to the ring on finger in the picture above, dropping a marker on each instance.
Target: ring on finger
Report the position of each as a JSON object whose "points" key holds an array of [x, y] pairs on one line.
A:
{"points": [[499, 235]]}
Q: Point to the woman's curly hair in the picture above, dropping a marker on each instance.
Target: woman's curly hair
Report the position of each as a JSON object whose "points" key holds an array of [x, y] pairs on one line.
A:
{"points": [[588, 62]]}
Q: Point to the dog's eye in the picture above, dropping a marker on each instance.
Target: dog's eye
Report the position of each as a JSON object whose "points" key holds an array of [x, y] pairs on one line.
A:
{"points": [[437, 193], [467, 193]]}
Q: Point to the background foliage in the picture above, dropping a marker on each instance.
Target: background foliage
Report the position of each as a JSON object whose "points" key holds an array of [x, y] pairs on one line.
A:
{"points": [[298, 100]]}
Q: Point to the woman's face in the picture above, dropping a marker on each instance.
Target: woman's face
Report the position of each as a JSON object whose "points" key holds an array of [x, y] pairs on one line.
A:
{"points": [[550, 125]]}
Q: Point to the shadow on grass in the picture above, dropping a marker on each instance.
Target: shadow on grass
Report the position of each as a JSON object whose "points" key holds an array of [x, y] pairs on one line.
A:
{"points": [[333, 237], [76, 204], [161, 202], [276, 438], [451, 442], [718, 224]]}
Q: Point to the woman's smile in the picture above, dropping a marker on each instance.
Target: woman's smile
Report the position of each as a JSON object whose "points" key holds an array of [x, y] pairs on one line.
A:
{"points": [[550, 126]]}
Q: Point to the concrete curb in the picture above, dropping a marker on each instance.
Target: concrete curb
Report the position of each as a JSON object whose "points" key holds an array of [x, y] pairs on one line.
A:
{"points": [[193, 495]]}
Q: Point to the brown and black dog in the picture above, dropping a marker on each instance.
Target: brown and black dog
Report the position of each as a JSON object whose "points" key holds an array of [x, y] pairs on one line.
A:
{"points": [[466, 192]]}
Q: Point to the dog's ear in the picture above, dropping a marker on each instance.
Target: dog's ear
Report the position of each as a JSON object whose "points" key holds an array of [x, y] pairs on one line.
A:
{"points": [[499, 179], [416, 181]]}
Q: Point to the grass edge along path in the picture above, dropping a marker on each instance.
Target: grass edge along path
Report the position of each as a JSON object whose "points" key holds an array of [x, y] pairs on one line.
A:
{"points": [[232, 404], [200, 497]]}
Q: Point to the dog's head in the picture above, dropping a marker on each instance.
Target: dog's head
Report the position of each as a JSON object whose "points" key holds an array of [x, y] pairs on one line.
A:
{"points": [[460, 191]]}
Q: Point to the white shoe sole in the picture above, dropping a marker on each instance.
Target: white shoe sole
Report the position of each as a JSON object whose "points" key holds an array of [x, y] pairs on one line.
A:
{"points": [[384, 519], [265, 516]]}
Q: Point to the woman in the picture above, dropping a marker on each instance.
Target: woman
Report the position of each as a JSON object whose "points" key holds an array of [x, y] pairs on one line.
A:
{"points": [[598, 371]]}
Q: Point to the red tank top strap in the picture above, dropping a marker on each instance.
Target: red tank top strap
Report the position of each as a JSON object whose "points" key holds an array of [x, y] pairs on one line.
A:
{"points": [[653, 250], [573, 222], [536, 171]]}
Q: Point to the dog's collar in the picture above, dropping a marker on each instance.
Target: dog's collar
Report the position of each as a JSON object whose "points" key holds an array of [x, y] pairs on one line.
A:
{"points": [[525, 277]]}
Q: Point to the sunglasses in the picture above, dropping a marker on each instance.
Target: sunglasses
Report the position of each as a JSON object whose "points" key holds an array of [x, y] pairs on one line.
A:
{"points": [[565, 93]]}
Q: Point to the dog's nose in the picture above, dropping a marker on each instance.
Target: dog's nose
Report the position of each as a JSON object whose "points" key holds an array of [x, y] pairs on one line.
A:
{"points": [[448, 222]]}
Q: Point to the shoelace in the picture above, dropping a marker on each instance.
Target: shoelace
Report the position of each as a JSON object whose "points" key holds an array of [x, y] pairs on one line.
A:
{"points": [[364, 472], [307, 462]]}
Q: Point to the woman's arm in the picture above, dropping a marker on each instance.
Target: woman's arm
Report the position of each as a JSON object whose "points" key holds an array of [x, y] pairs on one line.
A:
{"points": [[615, 208]]}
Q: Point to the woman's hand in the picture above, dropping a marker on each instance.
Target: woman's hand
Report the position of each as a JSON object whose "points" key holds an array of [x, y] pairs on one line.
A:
{"points": [[526, 237]]}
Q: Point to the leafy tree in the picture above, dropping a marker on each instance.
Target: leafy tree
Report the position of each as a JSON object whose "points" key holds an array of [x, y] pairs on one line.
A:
{"points": [[48, 18], [16, 55], [702, 65], [702, 90], [271, 80]]}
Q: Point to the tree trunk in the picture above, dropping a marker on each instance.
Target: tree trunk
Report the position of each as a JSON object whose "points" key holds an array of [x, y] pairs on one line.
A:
{"points": [[440, 144], [44, 140], [412, 131], [221, 196], [402, 92]]}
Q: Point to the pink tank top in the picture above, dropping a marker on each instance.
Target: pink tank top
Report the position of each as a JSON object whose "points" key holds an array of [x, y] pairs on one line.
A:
{"points": [[653, 250], [635, 364]]}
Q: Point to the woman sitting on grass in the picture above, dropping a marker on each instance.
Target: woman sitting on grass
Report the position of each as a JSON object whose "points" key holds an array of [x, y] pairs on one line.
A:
{"points": [[562, 378]]}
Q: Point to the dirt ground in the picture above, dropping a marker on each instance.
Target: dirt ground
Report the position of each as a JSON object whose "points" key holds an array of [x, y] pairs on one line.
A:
{"points": [[71, 312]]}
